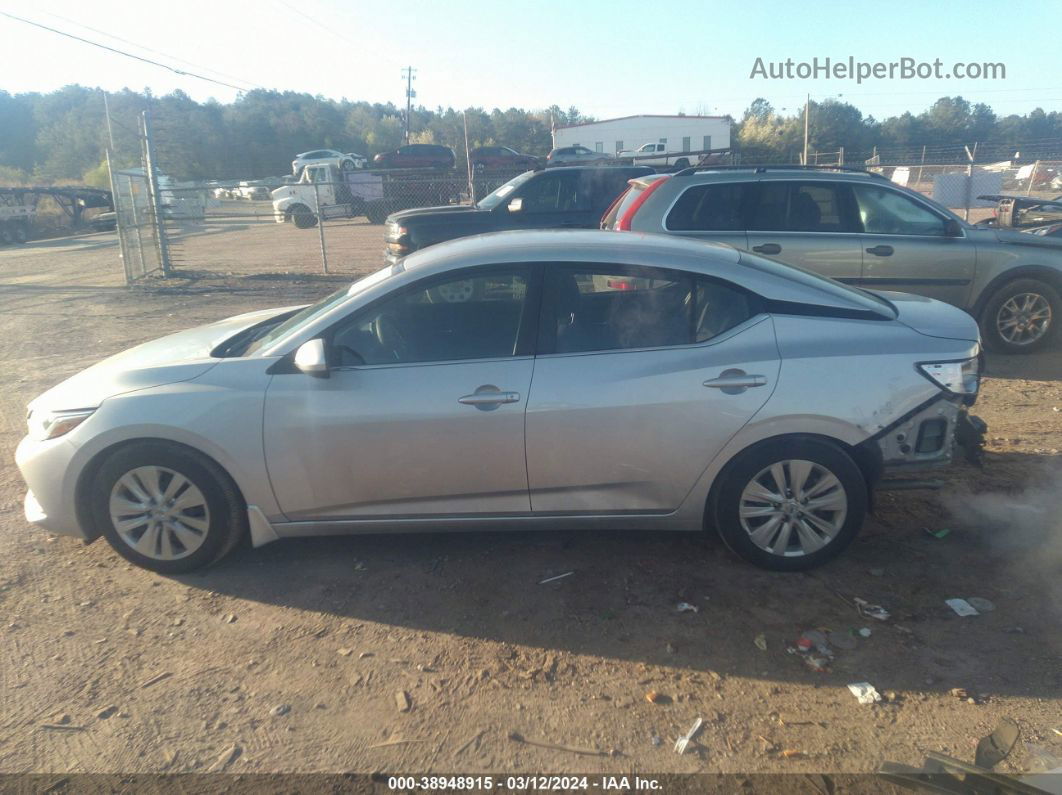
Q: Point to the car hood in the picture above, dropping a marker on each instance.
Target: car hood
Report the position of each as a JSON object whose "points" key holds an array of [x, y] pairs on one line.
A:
{"points": [[1026, 239], [166, 360], [448, 209], [931, 317]]}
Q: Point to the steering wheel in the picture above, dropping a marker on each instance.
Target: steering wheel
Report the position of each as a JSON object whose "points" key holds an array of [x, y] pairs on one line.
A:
{"points": [[390, 336]]}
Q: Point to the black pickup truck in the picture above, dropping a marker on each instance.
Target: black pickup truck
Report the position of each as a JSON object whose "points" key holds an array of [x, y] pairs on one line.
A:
{"points": [[558, 198]]}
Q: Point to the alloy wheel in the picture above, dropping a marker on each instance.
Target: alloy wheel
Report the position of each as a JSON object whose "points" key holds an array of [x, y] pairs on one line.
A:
{"points": [[793, 508], [1023, 318], [159, 512]]}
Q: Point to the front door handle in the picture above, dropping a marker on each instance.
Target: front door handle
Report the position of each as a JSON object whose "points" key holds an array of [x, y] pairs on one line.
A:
{"points": [[734, 382], [489, 397], [880, 251], [768, 248]]}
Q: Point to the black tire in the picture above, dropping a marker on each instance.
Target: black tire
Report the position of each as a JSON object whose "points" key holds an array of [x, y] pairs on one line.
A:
{"points": [[725, 511], [376, 212], [995, 312], [226, 516], [347, 165], [682, 162], [303, 217]]}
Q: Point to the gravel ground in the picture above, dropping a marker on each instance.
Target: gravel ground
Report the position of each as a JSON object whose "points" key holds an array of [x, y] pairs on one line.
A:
{"points": [[421, 653]]}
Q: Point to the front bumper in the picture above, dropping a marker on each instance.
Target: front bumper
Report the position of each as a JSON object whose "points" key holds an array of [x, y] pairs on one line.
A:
{"points": [[929, 436], [50, 470]]}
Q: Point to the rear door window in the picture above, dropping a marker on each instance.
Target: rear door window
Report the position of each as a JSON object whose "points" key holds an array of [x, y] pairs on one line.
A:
{"points": [[791, 206], [610, 308], [714, 207]]}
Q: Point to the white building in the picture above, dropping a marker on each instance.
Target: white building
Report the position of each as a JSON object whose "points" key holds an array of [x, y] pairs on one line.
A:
{"points": [[678, 133]]}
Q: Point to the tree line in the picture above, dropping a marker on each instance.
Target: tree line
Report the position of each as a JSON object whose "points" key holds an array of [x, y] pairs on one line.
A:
{"points": [[62, 136]]}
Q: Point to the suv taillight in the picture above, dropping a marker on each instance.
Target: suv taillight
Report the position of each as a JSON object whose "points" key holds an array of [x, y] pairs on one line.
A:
{"points": [[624, 223]]}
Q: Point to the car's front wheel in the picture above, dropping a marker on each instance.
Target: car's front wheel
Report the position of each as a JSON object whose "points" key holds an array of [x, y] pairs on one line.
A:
{"points": [[1021, 317], [303, 217], [166, 508], [791, 504]]}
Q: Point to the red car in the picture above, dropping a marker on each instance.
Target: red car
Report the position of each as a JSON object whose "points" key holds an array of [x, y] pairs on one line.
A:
{"points": [[417, 156], [502, 158]]}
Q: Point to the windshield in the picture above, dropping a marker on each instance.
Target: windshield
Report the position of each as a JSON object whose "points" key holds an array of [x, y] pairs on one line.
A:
{"points": [[313, 311], [492, 200]]}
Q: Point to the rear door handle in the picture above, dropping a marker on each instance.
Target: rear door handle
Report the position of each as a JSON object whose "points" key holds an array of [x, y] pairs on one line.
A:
{"points": [[768, 248], [880, 251], [734, 382]]}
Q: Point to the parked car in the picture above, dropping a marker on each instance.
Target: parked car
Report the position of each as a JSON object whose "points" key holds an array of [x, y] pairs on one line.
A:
{"points": [[575, 156], [323, 157], [360, 161], [106, 221], [417, 156], [728, 391], [1051, 230], [864, 230], [561, 197], [502, 157], [654, 154]]}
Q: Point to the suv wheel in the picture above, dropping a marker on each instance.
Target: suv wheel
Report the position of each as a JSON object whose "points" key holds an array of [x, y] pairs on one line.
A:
{"points": [[791, 505], [1021, 317]]}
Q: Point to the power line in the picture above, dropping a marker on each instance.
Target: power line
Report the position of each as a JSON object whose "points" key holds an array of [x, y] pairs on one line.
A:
{"points": [[149, 49], [121, 52]]}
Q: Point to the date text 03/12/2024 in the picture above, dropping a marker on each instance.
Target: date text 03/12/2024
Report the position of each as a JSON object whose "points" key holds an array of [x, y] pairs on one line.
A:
{"points": [[522, 783]]}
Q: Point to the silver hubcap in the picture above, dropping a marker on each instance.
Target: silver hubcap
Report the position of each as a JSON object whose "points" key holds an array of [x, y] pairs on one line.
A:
{"points": [[793, 508], [1024, 318], [159, 513]]}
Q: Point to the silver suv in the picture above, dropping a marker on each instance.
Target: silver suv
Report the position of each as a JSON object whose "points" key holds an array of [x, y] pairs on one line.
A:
{"points": [[862, 229]]}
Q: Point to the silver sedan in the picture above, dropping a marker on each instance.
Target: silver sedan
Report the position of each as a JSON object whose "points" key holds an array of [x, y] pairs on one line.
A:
{"points": [[541, 379]]}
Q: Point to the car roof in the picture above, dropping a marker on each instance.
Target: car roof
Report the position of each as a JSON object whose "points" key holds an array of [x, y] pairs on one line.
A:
{"points": [[768, 278], [631, 171]]}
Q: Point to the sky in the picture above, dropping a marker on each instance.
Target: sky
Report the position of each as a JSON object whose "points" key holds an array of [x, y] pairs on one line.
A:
{"points": [[614, 58]]}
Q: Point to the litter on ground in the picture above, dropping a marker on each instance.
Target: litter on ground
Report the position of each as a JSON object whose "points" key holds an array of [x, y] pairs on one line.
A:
{"points": [[865, 692]]}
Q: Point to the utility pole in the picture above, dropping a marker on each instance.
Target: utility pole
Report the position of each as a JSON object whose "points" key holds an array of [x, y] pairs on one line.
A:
{"points": [[409, 73], [807, 116]]}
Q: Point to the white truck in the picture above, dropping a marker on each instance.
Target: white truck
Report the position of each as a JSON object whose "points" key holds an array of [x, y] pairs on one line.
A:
{"points": [[656, 154], [332, 192], [16, 217]]}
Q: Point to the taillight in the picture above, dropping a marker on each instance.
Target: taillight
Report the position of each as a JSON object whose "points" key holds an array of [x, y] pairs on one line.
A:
{"points": [[617, 284], [624, 223]]}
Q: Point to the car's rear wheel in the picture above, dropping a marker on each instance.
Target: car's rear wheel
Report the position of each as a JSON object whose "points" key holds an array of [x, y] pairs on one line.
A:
{"points": [[166, 508], [347, 165], [1021, 317], [792, 504], [682, 162]]}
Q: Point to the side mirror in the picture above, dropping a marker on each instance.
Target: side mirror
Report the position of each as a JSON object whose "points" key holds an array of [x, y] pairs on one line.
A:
{"points": [[312, 358], [952, 228], [516, 205]]}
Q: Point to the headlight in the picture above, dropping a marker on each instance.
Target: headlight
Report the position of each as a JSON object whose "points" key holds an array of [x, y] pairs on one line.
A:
{"points": [[958, 377], [51, 424]]}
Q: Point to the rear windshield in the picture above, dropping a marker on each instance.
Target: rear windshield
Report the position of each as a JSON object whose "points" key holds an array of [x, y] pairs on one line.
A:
{"points": [[868, 300], [627, 198]]}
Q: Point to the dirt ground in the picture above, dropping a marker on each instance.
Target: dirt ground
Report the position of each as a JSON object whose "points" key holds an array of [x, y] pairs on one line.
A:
{"points": [[293, 657]]}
